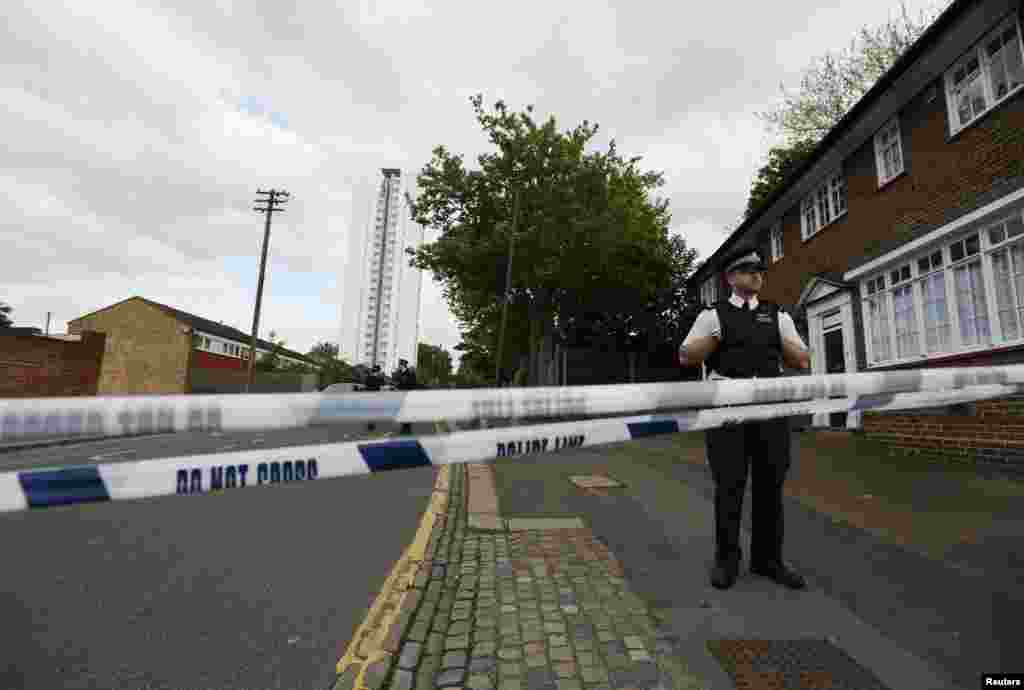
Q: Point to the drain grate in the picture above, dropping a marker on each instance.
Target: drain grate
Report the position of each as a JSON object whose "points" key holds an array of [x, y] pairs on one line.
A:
{"points": [[791, 665]]}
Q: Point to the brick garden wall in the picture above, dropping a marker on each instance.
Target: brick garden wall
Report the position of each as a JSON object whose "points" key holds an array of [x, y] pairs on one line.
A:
{"points": [[37, 366]]}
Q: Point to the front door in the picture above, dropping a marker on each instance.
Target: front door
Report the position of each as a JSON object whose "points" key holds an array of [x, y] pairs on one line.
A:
{"points": [[835, 363]]}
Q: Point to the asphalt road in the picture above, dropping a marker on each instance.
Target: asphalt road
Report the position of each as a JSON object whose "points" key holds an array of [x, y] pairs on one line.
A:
{"points": [[261, 588], [188, 443]]}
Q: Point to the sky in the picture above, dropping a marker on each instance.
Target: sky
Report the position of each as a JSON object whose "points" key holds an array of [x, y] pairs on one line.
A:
{"points": [[137, 134]]}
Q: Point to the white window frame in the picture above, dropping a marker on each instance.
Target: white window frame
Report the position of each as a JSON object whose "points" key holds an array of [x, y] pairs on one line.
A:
{"points": [[823, 195], [986, 250], [978, 52], [891, 128], [775, 241]]}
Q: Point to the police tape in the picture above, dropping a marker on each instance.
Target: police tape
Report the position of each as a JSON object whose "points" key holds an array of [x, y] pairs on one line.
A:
{"points": [[199, 474], [25, 420]]}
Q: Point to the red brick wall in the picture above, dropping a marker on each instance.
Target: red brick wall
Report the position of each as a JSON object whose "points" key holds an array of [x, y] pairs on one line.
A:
{"points": [[995, 438], [37, 366]]}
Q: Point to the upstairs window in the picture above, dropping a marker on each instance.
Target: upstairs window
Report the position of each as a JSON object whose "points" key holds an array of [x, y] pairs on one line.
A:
{"points": [[776, 241], [823, 205], [888, 152], [986, 75]]}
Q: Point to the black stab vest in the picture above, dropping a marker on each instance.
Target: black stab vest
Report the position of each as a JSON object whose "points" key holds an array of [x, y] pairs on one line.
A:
{"points": [[750, 344]]}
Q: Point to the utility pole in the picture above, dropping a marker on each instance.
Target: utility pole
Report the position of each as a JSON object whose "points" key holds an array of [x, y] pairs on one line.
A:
{"points": [[508, 289], [273, 199]]}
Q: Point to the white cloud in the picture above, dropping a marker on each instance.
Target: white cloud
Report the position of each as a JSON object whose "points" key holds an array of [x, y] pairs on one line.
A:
{"points": [[136, 135]]}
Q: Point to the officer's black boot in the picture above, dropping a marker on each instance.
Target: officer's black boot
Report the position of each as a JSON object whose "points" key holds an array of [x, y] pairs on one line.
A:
{"points": [[726, 570]]}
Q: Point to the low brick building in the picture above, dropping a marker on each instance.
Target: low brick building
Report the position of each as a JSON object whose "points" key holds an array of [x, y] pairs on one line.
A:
{"points": [[900, 241], [155, 349], [33, 365]]}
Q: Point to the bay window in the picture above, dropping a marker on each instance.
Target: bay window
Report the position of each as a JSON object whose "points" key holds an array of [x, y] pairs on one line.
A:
{"points": [[966, 294]]}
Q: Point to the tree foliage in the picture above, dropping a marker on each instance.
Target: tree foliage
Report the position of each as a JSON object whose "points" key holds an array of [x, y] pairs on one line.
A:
{"points": [[434, 366], [836, 81], [333, 369], [587, 235], [782, 162], [272, 360], [829, 88]]}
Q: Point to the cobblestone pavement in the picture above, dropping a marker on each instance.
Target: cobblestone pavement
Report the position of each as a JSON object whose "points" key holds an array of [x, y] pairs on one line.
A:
{"points": [[528, 610]]}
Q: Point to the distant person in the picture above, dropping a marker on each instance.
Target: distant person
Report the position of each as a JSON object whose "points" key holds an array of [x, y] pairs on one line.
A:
{"points": [[405, 381], [744, 338], [374, 380]]}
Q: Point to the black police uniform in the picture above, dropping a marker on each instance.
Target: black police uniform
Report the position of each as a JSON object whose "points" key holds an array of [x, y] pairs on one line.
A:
{"points": [[750, 346], [406, 382], [373, 384]]}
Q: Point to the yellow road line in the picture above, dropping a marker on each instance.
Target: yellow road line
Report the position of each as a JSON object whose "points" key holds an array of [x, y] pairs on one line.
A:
{"points": [[367, 645]]}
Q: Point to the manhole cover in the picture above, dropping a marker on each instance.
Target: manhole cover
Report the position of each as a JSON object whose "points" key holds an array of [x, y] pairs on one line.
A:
{"points": [[791, 665], [594, 481]]}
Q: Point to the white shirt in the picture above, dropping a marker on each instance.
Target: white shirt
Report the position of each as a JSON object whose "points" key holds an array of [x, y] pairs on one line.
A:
{"points": [[707, 324]]}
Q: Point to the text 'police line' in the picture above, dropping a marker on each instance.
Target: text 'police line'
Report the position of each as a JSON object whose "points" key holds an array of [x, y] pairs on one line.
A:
{"points": [[538, 445]]}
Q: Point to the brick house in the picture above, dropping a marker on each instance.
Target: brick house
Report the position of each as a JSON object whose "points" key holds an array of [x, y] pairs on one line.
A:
{"points": [[899, 243], [155, 349]]}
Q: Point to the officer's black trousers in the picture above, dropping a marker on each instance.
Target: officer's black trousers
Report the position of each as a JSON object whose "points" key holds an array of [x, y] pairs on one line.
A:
{"points": [[765, 448]]}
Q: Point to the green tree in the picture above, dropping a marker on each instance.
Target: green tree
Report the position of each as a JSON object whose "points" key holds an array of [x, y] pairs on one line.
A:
{"points": [[586, 233], [272, 360], [782, 162], [829, 88], [434, 366], [5, 319], [836, 81], [333, 369]]}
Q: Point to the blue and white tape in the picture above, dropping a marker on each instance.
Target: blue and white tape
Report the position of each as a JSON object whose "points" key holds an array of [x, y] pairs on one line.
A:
{"points": [[198, 474], [24, 420]]}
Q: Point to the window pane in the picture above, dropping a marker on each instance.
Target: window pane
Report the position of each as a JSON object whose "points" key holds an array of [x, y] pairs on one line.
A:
{"points": [[1014, 64], [1017, 267], [897, 157], [956, 251], [838, 195], [971, 244], [936, 316], [996, 234], [1015, 225], [905, 322], [894, 277], [997, 75], [970, 97], [1004, 295], [809, 215], [879, 328], [823, 211], [923, 266], [937, 259], [971, 305], [905, 273]]}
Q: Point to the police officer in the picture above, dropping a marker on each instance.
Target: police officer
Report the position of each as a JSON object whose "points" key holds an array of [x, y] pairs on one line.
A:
{"points": [[374, 380], [406, 380], [744, 337]]}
